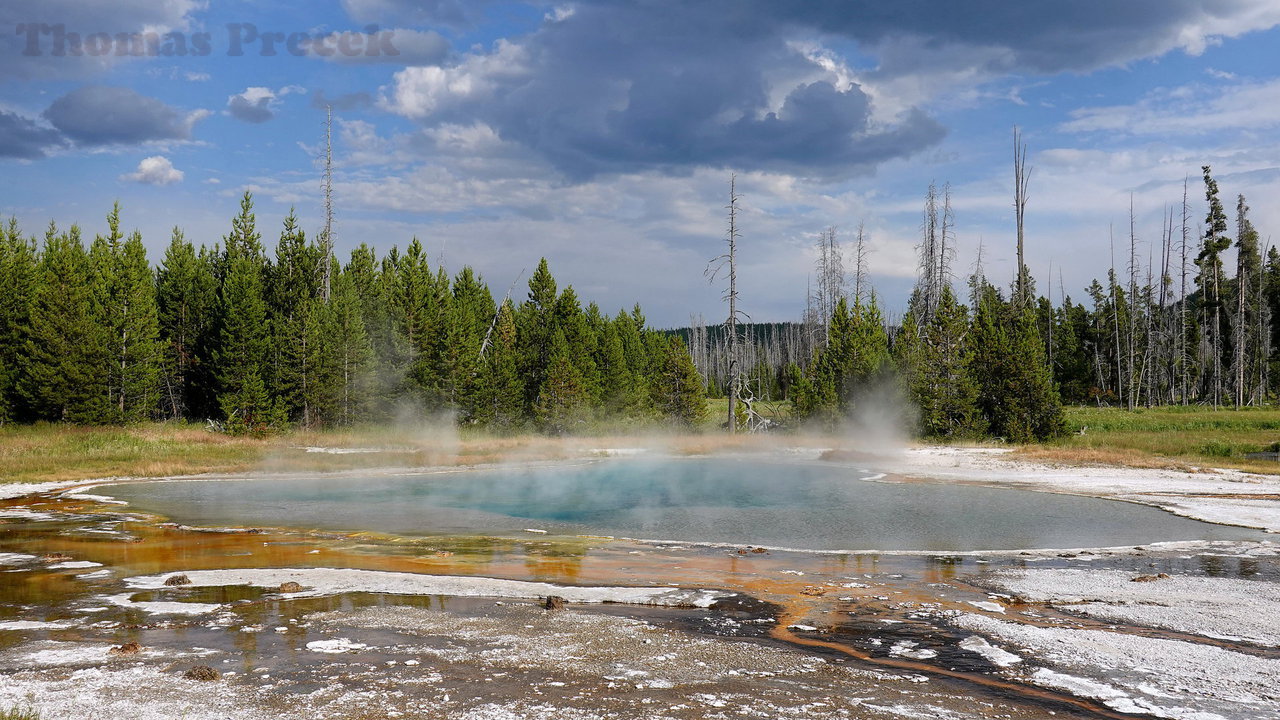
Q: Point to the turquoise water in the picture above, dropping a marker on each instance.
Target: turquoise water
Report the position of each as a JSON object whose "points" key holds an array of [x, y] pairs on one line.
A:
{"points": [[747, 502]]}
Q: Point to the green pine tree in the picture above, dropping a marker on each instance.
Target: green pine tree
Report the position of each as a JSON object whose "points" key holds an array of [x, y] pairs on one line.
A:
{"points": [[17, 277], [679, 391], [297, 353], [352, 354], [187, 297], [1015, 390], [855, 361], [373, 283], [63, 372], [620, 393], [562, 398], [497, 396], [630, 328], [1210, 281], [243, 351], [942, 386], [138, 353], [420, 304], [471, 311], [535, 321]]}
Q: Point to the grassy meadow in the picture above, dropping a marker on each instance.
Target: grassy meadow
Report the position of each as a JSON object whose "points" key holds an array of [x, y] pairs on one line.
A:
{"points": [[1173, 436]]}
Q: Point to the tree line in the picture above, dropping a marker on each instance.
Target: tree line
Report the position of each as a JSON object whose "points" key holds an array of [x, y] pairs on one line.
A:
{"points": [[1179, 328], [90, 333]]}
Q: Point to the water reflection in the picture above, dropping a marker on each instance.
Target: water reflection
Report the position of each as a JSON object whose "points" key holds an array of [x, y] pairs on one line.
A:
{"points": [[759, 502]]}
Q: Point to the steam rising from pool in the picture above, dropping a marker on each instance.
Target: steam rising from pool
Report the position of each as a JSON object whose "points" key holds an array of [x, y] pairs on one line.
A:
{"points": [[763, 501]]}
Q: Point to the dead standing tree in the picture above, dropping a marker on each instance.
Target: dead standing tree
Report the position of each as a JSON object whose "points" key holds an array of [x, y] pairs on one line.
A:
{"points": [[1021, 176], [937, 229], [831, 280], [860, 253], [326, 237], [927, 289], [727, 263]]}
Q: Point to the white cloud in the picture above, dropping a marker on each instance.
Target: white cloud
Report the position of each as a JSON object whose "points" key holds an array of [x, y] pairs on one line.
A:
{"points": [[259, 104], [156, 170], [1186, 109], [419, 92]]}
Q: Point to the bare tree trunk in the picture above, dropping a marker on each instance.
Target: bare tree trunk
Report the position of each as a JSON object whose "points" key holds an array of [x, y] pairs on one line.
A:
{"points": [[326, 241], [1021, 176], [1050, 319], [1216, 347], [860, 264], [1262, 344], [1184, 359], [927, 289], [1168, 345], [729, 261], [1242, 292], [1115, 317], [945, 252], [1134, 387]]}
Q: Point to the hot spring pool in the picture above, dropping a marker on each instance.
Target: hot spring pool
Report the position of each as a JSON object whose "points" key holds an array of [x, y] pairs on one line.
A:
{"points": [[747, 502]]}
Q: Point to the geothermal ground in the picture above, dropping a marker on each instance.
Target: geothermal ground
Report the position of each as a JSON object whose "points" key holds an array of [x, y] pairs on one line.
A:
{"points": [[456, 627]]}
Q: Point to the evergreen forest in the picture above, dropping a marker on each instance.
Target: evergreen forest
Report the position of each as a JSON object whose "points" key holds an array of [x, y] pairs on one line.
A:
{"points": [[252, 341]]}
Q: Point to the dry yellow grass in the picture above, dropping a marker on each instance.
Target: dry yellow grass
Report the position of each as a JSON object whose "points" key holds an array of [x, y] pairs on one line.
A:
{"points": [[62, 452], [1176, 438], [43, 453]]}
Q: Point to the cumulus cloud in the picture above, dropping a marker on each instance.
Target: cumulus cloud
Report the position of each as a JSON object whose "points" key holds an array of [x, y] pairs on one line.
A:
{"points": [[253, 105], [258, 104], [1036, 37], [119, 16], [96, 115], [1030, 37], [23, 138], [157, 170], [622, 86], [595, 93]]}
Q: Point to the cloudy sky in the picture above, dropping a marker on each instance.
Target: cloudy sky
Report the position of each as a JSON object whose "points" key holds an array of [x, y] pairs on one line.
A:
{"points": [[601, 134]]}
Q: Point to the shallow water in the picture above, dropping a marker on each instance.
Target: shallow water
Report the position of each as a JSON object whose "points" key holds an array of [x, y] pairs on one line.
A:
{"points": [[747, 502]]}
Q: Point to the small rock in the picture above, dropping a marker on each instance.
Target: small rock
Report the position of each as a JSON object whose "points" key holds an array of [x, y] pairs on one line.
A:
{"points": [[290, 587], [813, 590], [1150, 578], [759, 550], [129, 648], [203, 673], [56, 557], [554, 602], [175, 580]]}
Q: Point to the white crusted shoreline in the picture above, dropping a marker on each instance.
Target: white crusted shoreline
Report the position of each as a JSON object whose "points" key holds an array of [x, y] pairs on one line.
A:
{"points": [[333, 581], [1213, 495]]}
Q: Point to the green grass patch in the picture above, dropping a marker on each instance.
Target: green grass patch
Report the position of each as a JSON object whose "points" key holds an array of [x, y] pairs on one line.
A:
{"points": [[1191, 435], [17, 713]]}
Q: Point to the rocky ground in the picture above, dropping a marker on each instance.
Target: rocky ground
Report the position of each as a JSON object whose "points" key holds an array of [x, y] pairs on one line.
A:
{"points": [[90, 627]]}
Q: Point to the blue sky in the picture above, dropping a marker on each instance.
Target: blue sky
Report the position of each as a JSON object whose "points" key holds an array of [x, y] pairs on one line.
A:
{"points": [[601, 134]]}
